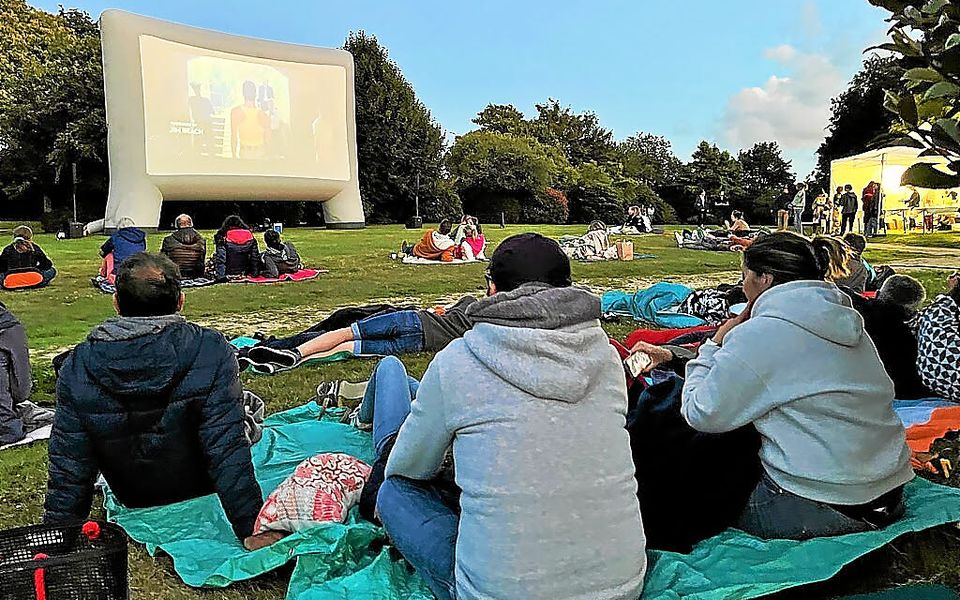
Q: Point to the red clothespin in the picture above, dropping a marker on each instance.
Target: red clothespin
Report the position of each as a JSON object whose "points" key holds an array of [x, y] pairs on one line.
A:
{"points": [[39, 581]]}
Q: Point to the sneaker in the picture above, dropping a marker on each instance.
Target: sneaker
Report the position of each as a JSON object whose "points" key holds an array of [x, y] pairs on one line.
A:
{"points": [[244, 363], [353, 418], [406, 248], [266, 369], [679, 238], [264, 355], [327, 394]]}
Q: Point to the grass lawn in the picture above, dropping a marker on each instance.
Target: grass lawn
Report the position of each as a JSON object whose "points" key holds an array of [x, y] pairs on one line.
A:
{"points": [[360, 272]]}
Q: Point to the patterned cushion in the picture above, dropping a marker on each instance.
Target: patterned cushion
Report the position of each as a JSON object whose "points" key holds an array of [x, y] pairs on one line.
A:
{"points": [[321, 489], [938, 348]]}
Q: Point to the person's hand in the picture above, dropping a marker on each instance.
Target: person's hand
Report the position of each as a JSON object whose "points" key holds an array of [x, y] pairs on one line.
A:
{"points": [[658, 355], [729, 324], [953, 281], [262, 540]]}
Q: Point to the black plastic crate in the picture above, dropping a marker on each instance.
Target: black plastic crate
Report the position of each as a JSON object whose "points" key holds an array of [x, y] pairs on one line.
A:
{"points": [[79, 564]]}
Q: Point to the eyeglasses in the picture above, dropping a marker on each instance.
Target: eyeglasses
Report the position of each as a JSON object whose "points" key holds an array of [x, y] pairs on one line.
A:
{"points": [[486, 275]]}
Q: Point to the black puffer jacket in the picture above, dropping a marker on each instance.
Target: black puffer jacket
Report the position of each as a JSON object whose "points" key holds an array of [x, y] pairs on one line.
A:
{"points": [[188, 250], [155, 405]]}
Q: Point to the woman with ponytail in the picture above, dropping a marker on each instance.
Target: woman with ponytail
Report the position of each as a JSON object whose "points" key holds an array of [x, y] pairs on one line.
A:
{"points": [[797, 364], [24, 256]]}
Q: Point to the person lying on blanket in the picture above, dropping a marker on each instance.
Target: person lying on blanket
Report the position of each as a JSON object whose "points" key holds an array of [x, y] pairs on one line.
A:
{"points": [[280, 257], [154, 403], [736, 224], [393, 333], [886, 320], [548, 508], [798, 365], [434, 245], [938, 337]]}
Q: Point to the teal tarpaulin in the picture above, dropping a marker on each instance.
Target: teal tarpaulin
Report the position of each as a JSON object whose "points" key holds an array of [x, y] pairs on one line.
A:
{"points": [[350, 561], [657, 305]]}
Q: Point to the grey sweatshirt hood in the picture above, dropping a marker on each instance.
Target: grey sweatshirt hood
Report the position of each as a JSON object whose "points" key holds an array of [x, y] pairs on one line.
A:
{"points": [[537, 306], [7, 320], [542, 340], [818, 307], [127, 328]]}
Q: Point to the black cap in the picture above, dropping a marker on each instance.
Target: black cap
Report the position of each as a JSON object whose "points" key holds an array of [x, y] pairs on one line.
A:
{"points": [[527, 257]]}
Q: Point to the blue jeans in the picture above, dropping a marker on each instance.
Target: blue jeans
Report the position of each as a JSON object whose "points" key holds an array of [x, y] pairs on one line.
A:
{"points": [[774, 513], [391, 334], [417, 520], [797, 219]]}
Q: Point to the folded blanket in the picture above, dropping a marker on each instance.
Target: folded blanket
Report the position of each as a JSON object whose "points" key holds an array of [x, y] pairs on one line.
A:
{"points": [[435, 246], [107, 287], [301, 275]]}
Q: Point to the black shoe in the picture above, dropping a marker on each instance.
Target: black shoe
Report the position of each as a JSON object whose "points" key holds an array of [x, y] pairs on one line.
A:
{"points": [[244, 363], [265, 355]]}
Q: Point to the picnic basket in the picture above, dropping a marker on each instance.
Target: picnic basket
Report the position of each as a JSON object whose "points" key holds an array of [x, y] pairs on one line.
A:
{"points": [[82, 561]]}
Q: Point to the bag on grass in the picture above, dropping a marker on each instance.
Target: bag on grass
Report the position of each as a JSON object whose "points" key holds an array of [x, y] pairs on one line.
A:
{"points": [[625, 250]]}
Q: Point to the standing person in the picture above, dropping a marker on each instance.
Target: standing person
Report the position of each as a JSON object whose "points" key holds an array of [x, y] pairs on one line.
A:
{"points": [[23, 255], [186, 248], [798, 205], [701, 207], [870, 197], [783, 203], [833, 450], [546, 386], [155, 404], [280, 257], [848, 206]]}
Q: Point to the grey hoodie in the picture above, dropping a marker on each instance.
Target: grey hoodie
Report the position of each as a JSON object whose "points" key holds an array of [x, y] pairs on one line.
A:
{"points": [[15, 375], [549, 507], [804, 372]]}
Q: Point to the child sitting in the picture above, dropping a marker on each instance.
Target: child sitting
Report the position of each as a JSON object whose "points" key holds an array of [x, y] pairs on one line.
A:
{"points": [[280, 257], [471, 248]]}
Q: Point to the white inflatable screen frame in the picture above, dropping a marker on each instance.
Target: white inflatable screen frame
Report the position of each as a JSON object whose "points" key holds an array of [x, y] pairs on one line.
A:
{"points": [[139, 194]]}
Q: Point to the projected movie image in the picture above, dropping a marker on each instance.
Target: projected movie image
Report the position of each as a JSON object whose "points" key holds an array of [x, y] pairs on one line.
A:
{"points": [[208, 112]]}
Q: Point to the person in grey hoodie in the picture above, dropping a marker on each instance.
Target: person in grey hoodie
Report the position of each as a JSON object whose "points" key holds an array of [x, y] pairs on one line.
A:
{"points": [[798, 365], [15, 378], [548, 508]]}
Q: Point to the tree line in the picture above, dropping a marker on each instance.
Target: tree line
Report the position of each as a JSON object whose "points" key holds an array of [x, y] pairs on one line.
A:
{"points": [[558, 166]]}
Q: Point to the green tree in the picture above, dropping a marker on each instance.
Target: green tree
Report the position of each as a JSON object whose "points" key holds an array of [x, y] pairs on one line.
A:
{"points": [[51, 109], [502, 118], [648, 158], [765, 174], [925, 35], [711, 170], [579, 136], [496, 172], [398, 143], [595, 195], [857, 114]]}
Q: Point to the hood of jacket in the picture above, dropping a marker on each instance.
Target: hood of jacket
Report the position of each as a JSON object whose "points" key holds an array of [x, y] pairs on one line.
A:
{"points": [[187, 236], [542, 340], [7, 320], [139, 356], [817, 307], [134, 235], [537, 306], [239, 236]]}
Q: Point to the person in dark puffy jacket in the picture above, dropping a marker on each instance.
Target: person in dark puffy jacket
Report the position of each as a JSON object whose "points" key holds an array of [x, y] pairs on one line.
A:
{"points": [[126, 241], [280, 257], [186, 248], [236, 251], [154, 404]]}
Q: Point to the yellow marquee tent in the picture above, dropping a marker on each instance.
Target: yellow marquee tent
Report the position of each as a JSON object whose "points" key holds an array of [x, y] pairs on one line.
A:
{"points": [[886, 166]]}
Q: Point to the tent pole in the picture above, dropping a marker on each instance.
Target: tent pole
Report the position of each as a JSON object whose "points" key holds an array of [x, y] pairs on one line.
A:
{"points": [[881, 193]]}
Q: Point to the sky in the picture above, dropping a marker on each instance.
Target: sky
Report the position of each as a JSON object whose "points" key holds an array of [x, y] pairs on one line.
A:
{"points": [[732, 72]]}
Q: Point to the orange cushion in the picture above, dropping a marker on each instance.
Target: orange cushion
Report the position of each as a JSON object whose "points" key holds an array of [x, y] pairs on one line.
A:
{"points": [[24, 279]]}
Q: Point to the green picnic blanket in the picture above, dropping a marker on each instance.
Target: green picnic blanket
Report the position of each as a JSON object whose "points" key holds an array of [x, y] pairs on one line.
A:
{"points": [[337, 561]]}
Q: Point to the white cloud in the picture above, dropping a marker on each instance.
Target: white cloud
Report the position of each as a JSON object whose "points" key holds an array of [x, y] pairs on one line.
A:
{"points": [[792, 110]]}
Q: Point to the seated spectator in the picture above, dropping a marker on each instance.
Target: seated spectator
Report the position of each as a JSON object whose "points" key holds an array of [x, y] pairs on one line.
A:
{"points": [[23, 256], [736, 223], [154, 404], [798, 365], [236, 252], [938, 343], [634, 219], [461, 233], [886, 320], [471, 248], [15, 376], [280, 257], [861, 273], [540, 425], [126, 241], [186, 248], [434, 245]]}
